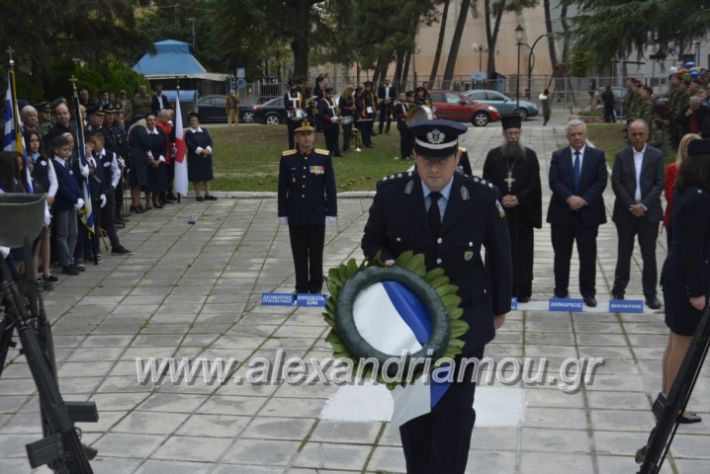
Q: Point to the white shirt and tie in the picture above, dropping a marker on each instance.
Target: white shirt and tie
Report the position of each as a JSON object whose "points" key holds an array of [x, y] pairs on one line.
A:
{"points": [[638, 165]]}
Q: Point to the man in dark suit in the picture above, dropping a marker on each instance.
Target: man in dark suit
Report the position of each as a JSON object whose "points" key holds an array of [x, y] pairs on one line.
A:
{"points": [[385, 96], [159, 100], [449, 218], [637, 180], [578, 177]]}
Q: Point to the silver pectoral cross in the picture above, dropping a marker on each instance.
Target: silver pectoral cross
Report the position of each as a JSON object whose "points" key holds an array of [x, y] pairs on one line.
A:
{"points": [[510, 180]]}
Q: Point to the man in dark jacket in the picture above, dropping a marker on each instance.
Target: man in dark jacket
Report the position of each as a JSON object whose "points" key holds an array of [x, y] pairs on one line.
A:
{"points": [[578, 177], [637, 180]]}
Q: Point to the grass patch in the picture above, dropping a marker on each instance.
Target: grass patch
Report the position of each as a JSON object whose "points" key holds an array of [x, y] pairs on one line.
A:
{"points": [[246, 158], [608, 137]]}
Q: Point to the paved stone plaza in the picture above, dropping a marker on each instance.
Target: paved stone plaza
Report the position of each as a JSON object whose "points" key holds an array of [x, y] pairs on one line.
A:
{"points": [[194, 291]]}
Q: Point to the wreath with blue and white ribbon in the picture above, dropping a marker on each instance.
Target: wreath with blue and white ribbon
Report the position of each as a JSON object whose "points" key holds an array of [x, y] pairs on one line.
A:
{"points": [[400, 311]]}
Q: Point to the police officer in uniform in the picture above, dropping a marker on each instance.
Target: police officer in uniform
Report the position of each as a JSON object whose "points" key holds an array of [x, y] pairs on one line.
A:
{"points": [[306, 203], [449, 217]]}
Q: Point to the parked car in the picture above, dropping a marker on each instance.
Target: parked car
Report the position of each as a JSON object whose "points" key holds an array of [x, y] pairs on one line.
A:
{"points": [[505, 105], [454, 106], [271, 112], [212, 110]]}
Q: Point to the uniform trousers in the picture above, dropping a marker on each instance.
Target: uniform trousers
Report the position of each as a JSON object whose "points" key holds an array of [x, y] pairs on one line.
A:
{"points": [[439, 441], [562, 239], [307, 248]]}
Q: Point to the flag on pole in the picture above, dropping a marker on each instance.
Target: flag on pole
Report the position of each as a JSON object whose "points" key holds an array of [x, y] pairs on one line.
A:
{"points": [[13, 139], [86, 214], [180, 182]]}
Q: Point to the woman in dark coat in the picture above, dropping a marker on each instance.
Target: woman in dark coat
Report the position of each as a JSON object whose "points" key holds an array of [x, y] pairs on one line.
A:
{"points": [[686, 272], [139, 143], [199, 158], [156, 171]]}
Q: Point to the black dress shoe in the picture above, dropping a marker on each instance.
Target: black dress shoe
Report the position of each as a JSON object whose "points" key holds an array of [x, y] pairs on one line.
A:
{"points": [[171, 197], [120, 250], [653, 303], [617, 296], [70, 270], [524, 299], [79, 267], [199, 198], [561, 294], [691, 418], [210, 197], [590, 301], [137, 209], [119, 225]]}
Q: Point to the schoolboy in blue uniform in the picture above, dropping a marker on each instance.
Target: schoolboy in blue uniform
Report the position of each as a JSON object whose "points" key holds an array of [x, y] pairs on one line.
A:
{"points": [[306, 202]]}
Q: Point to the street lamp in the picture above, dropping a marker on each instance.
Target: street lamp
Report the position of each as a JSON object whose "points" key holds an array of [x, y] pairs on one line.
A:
{"points": [[519, 38], [531, 63], [478, 48]]}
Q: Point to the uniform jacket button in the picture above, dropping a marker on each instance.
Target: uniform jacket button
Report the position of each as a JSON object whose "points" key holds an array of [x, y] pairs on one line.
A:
{"points": [[398, 239], [438, 261], [439, 240]]}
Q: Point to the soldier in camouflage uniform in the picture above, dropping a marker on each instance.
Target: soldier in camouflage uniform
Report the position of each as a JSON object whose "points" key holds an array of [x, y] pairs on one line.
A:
{"points": [[674, 97]]}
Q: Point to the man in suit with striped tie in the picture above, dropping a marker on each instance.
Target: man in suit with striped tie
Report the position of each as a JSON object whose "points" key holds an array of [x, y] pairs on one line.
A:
{"points": [[578, 177]]}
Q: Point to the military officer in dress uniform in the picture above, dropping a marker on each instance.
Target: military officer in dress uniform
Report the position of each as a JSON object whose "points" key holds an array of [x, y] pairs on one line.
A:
{"points": [[449, 217], [306, 203]]}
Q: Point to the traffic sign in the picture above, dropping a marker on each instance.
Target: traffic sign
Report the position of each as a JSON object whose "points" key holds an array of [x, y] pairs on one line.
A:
{"points": [[241, 83]]}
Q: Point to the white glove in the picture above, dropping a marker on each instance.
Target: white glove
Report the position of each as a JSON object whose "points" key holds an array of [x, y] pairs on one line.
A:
{"points": [[121, 162], [84, 170], [330, 220], [334, 120], [150, 154], [102, 198], [161, 158], [283, 220], [79, 204]]}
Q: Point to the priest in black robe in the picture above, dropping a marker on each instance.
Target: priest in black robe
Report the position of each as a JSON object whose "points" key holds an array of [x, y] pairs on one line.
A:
{"points": [[514, 168]]}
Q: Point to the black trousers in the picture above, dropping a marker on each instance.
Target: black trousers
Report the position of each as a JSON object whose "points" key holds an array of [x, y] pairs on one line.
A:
{"points": [[438, 442], [307, 248], [609, 113], [292, 126], [366, 129], [108, 219], [347, 132], [405, 139], [562, 239], [647, 236], [331, 140], [118, 198], [385, 116]]}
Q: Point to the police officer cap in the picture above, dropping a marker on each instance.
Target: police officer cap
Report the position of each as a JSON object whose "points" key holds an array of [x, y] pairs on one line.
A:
{"points": [[108, 109], [514, 121], [436, 139], [43, 106], [94, 111], [699, 147]]}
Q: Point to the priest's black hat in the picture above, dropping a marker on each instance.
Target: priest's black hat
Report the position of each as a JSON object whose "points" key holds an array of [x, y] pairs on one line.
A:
{"points": [[514, 121]]}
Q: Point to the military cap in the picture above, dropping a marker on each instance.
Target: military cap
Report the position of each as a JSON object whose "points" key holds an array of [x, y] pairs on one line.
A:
{"points": [[43, 106], [94, 110], [305, 127], [436, 139]]}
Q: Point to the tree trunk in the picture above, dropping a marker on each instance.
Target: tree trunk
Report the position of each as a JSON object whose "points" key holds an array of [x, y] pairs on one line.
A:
{"points": [[378, 66], [455, 43], [492, 37], [405, 70], [440, 42], [300, 44], [398, 69], [550, 38]]}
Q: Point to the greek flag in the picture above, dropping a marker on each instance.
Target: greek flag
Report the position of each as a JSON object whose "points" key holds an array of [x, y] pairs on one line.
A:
{"points": [[12, 138], [393, 320]]}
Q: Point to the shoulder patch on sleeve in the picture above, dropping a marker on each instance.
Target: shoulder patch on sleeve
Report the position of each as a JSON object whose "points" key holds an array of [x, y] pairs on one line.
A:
{"points": [[288, 152], [462, 149]]}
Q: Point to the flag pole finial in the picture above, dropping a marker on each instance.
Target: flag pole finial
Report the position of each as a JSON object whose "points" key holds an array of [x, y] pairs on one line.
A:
{"points": [[73, 81], [9, 53]]}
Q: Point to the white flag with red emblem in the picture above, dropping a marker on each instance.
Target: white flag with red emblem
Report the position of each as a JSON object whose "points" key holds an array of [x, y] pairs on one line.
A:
{"points": [[180, 183]]}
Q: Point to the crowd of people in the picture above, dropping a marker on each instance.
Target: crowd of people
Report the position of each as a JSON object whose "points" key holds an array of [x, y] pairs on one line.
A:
{"points": [[126, 144], [355, 112]]}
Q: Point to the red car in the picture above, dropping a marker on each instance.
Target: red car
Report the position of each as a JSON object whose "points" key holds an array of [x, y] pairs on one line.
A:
{"points": [[451, 105]]}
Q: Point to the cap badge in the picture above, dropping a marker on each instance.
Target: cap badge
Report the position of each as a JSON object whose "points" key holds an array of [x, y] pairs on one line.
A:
{"points": [[435, 136]]}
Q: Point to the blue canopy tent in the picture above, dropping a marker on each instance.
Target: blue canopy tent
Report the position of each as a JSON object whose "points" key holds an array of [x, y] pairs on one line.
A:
{"points": [[173, 59]]}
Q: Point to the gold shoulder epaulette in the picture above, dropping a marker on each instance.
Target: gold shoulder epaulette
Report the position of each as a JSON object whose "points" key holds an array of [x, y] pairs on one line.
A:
{"points": [[462, 149], [322, 151], [288, 152]]}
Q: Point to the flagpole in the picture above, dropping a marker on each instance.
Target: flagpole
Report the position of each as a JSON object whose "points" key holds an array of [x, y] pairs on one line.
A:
{"points": [[177, 99], [16, 122]]}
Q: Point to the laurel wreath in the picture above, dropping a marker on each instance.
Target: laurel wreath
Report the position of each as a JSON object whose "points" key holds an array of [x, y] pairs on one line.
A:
{"points": [[409, 265]]}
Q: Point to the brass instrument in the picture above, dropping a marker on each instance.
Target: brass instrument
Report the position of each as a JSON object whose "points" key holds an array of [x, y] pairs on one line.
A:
{"points": [[419, 113]]}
